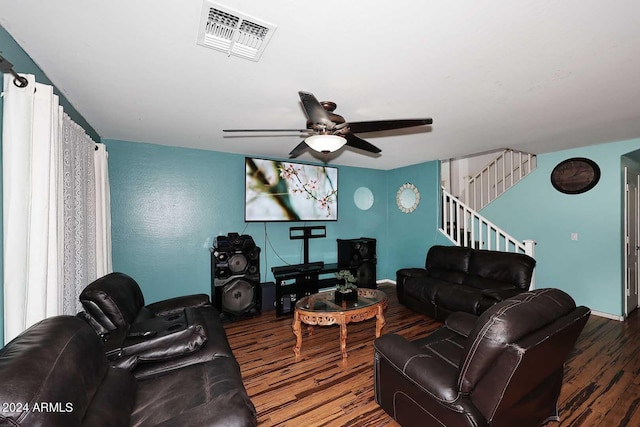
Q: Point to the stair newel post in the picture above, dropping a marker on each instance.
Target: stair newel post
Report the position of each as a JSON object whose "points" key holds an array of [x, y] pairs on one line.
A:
{"points": [[529, 249]]}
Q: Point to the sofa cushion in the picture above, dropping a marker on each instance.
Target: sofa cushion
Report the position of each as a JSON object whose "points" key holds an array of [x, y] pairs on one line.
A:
{"points": [[451, 258], [511, 268], [424, 288], [113, 403], [482, 283], [459, 298], [211, 392], [452, 276]]}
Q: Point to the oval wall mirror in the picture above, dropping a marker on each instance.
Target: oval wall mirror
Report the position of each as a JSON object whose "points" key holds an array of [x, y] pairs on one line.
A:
{"points": [[363, 198], [408, 198]]}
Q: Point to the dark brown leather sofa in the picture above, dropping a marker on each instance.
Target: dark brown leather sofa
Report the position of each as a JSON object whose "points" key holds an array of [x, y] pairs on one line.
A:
{"points": [[57, 374], [503, 368], [463, 279]]}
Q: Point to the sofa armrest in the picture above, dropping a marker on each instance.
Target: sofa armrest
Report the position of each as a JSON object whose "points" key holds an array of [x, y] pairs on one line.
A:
{"points": [[461, 323], [216, 347], [177, 304], [405, 274], [157, 339], [433, 375], [501, 294]]}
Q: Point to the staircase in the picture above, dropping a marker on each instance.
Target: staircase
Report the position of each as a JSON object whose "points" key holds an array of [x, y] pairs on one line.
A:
{"points": [[461, 222], [466, 227], [500, 174]]}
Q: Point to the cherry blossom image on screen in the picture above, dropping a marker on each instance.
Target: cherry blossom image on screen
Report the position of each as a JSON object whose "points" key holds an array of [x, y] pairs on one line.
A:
{"points": [[286, 191]]}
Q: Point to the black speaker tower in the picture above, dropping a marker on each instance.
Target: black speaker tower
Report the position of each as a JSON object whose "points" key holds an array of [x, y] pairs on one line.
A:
{"points": [[235, 276], [359, 255]]}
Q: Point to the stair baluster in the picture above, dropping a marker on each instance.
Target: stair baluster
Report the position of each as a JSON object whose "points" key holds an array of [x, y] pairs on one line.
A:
{"points": [[500, 174], [466, 227]]}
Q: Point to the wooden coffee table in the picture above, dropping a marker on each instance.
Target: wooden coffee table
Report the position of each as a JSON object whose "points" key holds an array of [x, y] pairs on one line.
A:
{"points": [[321, 309]]}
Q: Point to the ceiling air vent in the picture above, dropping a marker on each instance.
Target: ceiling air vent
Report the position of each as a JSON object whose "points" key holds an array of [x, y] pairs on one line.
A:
{"points": [[232, 32]]}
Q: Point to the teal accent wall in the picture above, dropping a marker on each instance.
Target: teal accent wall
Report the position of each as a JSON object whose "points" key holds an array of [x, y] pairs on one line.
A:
{"points": [[411, 235], [22, 63], [169, 204], [590, 268]]}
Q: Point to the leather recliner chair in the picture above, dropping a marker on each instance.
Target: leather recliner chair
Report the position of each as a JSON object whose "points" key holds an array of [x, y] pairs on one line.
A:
{"points": [[503, 368], [152, 339], [116, 301]]}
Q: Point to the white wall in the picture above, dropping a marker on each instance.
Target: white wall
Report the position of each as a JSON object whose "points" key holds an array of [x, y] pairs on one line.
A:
{"points": [[455, 170]]}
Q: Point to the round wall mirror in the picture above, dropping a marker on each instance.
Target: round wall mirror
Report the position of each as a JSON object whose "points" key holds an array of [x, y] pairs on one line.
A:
{"points": [[363, 198], [408, 198]]}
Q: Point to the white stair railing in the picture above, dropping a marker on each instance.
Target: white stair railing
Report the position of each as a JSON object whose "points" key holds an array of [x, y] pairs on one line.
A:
{"points": [[466, 227], [498, 176]]}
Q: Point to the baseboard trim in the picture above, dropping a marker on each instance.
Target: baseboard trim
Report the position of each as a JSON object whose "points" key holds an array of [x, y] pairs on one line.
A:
{"points": [[386, 282], [608, 316]]}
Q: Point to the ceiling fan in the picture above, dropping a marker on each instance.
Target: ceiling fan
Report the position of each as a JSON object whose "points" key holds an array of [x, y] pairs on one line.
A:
{"points": [[327, 131]]}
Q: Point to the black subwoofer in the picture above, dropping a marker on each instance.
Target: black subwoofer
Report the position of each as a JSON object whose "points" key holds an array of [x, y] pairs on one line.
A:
{"points": [[235, 274], [239, 297], [359, 255]]}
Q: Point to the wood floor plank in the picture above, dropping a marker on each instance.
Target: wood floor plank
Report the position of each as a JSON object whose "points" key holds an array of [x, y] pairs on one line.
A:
{"points": [[601, 386]]}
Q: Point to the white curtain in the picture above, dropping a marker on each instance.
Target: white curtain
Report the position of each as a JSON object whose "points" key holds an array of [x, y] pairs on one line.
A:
{"points": [[49, 207], [103, 212]]}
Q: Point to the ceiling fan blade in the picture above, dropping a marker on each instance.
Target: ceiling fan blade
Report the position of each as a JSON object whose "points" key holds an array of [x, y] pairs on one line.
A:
{"points": [[315, 111], [379, 125], [357, 142], [265, 130], [298, 150]]}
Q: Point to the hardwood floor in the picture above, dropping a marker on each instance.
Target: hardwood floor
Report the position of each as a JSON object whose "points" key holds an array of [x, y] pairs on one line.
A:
{"points": [[601, 387]]}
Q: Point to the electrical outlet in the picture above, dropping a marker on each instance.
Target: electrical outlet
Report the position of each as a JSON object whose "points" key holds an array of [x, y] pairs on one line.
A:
{"points": [[574, 236]]}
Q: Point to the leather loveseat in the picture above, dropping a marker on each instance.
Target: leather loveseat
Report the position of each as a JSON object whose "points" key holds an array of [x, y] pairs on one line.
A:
{"points": [[57, 374], [463, 279], [503, 368]]}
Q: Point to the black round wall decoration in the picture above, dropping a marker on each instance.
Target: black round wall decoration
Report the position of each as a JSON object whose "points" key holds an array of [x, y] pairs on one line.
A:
{"points": [[576, 175]]}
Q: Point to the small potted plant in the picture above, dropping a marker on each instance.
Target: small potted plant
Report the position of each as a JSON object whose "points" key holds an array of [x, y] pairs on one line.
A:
{"points": [[346, 289]]}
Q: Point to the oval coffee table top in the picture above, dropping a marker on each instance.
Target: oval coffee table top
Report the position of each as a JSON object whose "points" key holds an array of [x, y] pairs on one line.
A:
{"points": [[325, 301]]}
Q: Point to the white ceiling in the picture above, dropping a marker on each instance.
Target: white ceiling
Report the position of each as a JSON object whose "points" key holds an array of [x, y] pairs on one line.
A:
{"points": [[533, 75]]}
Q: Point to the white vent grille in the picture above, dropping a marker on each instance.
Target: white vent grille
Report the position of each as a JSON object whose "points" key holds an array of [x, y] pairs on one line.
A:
{"points": [[232, 32]]}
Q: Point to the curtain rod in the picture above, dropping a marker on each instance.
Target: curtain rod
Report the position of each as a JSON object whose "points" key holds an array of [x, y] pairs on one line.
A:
{"points": [[7, 67]]}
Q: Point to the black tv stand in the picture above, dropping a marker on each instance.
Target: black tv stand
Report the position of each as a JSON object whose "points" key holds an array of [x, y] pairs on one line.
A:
{"points": [[295, 281], [312, 266]]}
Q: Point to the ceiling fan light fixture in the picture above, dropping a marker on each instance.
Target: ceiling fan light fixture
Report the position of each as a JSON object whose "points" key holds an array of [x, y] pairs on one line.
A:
{"points": [[325, 143]]}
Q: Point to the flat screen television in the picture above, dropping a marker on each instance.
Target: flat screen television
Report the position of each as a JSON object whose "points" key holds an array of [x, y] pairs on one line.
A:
{"points": [[287, 191]]}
